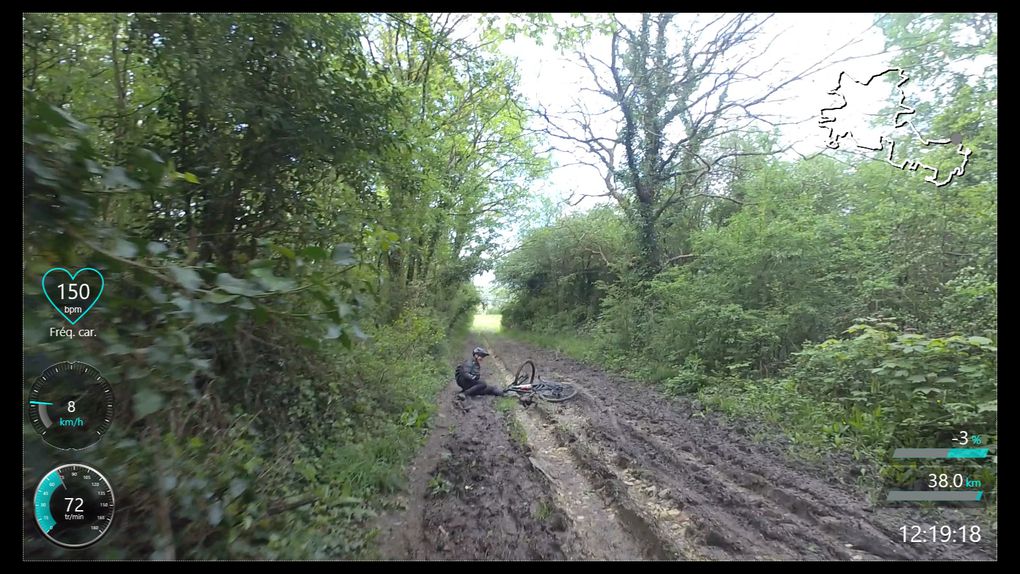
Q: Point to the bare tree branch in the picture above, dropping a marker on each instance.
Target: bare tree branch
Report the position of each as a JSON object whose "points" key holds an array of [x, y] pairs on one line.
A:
{"points": [[681, 256]]}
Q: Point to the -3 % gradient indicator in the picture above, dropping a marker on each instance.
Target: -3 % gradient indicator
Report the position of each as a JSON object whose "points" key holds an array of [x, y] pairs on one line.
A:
{"points": [[964, 438]]}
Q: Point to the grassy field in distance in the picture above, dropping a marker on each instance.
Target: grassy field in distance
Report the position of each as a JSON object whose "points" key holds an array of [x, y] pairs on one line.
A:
{"points": [[487, 323]]}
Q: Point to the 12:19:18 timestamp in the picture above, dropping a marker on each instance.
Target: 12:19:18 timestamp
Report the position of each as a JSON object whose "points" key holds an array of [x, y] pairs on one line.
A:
{"points": [[943, 533]]}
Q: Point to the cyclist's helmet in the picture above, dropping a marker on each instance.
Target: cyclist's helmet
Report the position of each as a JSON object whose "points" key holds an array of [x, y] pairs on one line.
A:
{"points": [[480, 351]]}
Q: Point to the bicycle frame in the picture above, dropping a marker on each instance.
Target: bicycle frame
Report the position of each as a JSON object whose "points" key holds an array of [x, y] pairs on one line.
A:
{"points": [[531, 388], [545, 390]]}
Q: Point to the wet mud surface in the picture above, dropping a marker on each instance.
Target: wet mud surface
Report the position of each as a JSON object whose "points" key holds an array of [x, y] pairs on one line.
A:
{"points": [[621, 472], [474, 494]]}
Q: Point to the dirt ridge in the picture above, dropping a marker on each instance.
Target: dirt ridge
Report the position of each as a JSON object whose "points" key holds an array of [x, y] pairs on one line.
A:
{"points": [[622, 472], [739, 499]]}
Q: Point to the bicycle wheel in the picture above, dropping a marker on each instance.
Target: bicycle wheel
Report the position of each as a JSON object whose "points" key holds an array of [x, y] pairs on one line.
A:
{"points": [[557, 392], [525, 374]]}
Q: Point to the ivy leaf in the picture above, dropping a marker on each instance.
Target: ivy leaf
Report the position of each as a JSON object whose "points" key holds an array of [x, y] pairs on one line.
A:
{"points": [[168, 482], [272, 282], [157, 294], [232, 284], [205, 316], [146, 402], [215, 513], [285, 251], [237, 487], [186, 277], [314, 253], [150, 161], [343, 254], [218, 298], [183, 303], [125, 249], [116, 178], [201, 364]]}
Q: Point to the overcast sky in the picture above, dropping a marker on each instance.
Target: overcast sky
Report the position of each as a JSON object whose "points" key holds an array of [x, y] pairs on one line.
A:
{"points": [[795, 43], [798, 41]]}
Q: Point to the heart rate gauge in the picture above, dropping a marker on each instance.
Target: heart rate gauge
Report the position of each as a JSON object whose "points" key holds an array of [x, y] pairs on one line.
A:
{"points": [[71, 405], [73, 505], [73, 295]]}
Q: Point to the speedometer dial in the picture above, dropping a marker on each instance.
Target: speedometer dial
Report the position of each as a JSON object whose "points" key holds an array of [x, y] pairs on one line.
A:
{"points": [[71, 405]]}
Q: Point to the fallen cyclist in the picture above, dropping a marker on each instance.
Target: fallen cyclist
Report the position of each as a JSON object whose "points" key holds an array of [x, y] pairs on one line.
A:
{"points": [[469, 376]]}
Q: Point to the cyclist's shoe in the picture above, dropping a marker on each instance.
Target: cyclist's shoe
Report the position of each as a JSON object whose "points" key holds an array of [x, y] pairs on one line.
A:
{"points": [[460, 396]]}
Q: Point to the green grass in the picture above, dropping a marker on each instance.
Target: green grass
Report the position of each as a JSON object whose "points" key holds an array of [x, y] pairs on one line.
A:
{"points": [[487, 323], [580, 348], [517, 433], [505, 406], [544, 511], [439, 486]]}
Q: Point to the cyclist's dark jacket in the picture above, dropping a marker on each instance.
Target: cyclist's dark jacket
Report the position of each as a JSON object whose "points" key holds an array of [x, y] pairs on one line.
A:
{"points": [[468, 373]]}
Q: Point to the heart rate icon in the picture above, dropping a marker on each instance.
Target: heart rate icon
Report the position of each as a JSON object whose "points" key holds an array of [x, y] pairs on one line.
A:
{"points": [[73, 298]]}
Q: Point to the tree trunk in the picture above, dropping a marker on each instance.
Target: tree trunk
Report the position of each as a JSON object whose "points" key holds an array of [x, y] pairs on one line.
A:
{"points": [[648, 238]]}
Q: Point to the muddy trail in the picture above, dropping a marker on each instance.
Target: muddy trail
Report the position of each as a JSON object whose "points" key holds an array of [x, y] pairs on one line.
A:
{"points": [[473, 493], [621, 472]]}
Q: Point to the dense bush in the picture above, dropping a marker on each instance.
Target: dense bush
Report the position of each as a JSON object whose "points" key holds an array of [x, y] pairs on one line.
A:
{"points": [[557, 278], [922, 389], [287, 246]]}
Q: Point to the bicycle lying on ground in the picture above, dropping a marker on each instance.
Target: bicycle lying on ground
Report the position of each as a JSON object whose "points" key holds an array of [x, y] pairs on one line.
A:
{"points": [[524, 385]]}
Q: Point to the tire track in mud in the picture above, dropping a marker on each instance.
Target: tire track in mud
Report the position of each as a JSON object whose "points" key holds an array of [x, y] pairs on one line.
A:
{"points": [[473, 494], [604, 523], [476, 492], [726, 497]]}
